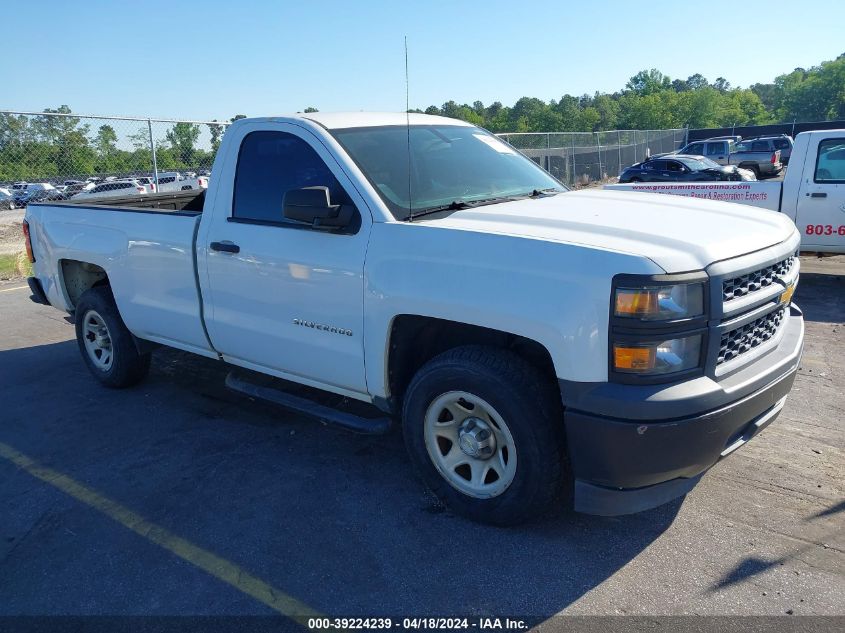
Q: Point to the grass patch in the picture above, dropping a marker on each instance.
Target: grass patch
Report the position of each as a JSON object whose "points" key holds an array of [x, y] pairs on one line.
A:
{"points": [[14, 266]]}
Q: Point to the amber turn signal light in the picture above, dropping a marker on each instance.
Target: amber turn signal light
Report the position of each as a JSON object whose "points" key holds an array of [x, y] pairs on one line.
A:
{"points": [[633, 358]]}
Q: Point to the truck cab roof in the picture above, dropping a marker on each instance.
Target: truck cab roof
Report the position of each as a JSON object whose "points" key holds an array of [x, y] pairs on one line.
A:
{"points": [[341, 120]]}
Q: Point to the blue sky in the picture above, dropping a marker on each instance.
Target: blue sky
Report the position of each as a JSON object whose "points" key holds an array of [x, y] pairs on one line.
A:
{"points": [[211, 59]]}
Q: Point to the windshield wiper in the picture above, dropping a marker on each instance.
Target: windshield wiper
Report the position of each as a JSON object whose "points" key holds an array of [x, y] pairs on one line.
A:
{"points": [[457, 205], [550, 191]]}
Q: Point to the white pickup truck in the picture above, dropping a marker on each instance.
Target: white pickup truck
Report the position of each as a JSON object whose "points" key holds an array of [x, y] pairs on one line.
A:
{"points": [[526, 337], [812, 193]]}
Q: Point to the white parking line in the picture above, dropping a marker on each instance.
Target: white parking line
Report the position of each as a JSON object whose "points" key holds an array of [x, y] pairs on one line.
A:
{"points": [[18, 288]]}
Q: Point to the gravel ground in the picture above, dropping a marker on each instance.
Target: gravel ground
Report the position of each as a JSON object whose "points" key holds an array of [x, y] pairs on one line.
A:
{"points": [[11, 238]]}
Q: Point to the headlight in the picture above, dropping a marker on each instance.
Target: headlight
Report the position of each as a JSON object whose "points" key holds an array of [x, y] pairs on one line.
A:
{"points": [[659, 357], [660, 303], [658, 327]]}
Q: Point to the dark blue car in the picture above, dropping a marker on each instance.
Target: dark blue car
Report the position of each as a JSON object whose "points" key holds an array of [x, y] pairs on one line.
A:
{"points": [[681, 168]]}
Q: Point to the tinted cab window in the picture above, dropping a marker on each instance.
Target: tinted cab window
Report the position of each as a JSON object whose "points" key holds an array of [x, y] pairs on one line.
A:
{"points": [[270, 164]]}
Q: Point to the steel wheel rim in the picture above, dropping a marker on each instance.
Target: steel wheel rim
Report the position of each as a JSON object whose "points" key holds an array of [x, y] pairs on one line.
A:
{"points": [[449, 420], [97, 340]]}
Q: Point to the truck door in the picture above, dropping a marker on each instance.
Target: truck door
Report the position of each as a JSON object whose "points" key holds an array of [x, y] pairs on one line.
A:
{"points": [[282, 297], [717, 151], [821, 197]]}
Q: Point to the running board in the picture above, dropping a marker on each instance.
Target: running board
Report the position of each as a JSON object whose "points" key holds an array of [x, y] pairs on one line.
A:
{"points": [[350, 421]]}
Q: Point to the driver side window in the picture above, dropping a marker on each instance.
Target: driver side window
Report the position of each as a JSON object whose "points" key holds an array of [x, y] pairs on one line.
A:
{"points": [[271, 163]]}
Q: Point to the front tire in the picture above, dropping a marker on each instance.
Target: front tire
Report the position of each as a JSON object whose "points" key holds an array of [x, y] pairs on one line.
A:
{"points": [[107, 347], [483, 428]]}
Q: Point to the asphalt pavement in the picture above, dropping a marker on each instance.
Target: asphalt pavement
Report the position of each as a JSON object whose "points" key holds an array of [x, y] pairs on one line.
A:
{"points": [[179, 497]]}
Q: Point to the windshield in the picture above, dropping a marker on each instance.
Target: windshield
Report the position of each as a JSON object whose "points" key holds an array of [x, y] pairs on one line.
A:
{"points": [[697, 164], [450, 164]]}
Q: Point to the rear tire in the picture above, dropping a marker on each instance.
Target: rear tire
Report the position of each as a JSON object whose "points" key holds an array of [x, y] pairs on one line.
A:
{"points": [[483, 428], [107, 347]]}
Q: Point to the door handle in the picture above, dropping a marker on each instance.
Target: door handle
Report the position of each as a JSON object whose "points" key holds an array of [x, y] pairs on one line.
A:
{"points": [[817, 194], [225, 247]]}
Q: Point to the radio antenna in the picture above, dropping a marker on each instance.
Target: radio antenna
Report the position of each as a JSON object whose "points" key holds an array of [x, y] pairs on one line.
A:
{"points": [[408, 130]]}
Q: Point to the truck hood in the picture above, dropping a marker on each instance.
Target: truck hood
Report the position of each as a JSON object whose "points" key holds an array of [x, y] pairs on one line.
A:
{"points": [[677, 233]]}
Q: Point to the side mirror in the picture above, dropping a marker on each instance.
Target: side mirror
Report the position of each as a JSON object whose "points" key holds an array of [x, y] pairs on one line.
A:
{"points": [[312, 205]]}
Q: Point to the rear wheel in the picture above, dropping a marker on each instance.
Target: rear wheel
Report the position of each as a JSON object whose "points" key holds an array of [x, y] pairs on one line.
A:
{"points": [[106, 345], [482, 427]]}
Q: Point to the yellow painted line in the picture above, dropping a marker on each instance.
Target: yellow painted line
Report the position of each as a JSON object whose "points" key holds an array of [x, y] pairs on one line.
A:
{"points": [[210, 563], [18, 288]]}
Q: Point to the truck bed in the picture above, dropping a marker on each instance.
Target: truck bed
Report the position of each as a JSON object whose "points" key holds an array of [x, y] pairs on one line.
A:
{"points": [[146, 246], [188, 202]]}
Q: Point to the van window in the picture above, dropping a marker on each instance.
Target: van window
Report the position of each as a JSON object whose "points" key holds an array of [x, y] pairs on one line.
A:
{"points": [[271, 163]]}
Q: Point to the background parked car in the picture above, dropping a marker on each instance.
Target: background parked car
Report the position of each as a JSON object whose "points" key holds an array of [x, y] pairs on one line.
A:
{"points": [[7, 200], [148, 183], [27, 192], [114, 188], [716, 149], [773, 142], [38, 195], [174, 181], [77, 187], [682, 168]]}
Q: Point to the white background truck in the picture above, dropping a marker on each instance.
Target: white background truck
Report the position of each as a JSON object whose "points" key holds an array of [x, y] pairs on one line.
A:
{"points": [[812, 193], [526, 337]]}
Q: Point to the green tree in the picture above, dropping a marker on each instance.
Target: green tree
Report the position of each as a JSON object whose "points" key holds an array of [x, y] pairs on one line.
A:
{"points": [[216, 130], [182, 138], [648, 82]]}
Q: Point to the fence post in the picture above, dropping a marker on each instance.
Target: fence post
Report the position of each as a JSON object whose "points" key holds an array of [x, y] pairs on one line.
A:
{"points": [[548, 152], [793, 129], [153, 150], [619, 149], [598, 147], [572, 138]]}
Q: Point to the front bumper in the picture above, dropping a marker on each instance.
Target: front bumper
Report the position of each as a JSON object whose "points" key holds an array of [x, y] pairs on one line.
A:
{"points": [[635, 447]]}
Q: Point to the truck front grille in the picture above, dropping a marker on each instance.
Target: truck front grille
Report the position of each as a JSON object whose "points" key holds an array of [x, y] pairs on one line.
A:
{"points": [[750, 282], [747, 337]]}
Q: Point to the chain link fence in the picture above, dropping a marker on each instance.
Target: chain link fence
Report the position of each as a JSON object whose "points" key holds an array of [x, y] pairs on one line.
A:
{"points": [[56, 147], [59, 147], [578, 158]]}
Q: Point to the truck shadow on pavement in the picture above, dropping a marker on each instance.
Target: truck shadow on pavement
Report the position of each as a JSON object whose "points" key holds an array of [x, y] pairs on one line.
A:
{"points": [[339, 521], [821, 297]]}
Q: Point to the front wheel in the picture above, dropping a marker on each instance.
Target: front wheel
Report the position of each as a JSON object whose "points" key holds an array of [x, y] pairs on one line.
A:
{"points": [[483, 428], [106, 345]]}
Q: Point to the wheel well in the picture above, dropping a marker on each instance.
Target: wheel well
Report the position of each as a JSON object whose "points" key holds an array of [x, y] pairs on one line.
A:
{"points": [[81, 276], [414, 340]]}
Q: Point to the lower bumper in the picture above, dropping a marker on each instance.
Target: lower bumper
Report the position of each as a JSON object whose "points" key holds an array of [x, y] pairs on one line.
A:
{"points": [[623, 465]]}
